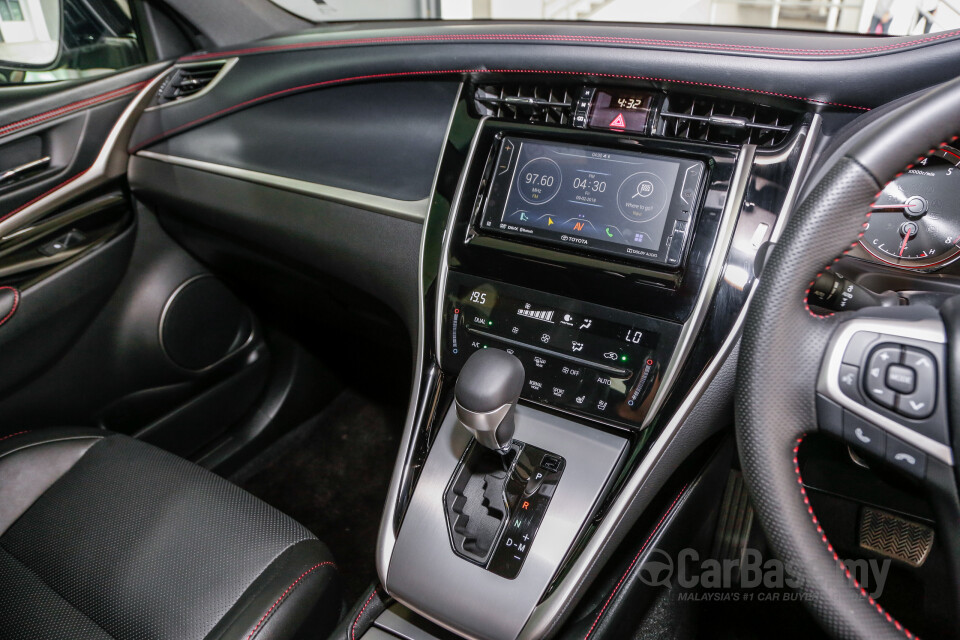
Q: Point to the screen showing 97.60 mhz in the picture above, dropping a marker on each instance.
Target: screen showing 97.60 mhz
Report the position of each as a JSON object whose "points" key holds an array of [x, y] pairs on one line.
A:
{"points": [[588, 198]]}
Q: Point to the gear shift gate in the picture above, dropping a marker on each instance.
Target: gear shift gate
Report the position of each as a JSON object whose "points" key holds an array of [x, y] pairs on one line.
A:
{"points": [[495, 503]]}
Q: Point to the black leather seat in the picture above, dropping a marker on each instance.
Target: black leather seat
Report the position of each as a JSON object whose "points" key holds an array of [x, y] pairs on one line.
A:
{"points": [[103, 536]]}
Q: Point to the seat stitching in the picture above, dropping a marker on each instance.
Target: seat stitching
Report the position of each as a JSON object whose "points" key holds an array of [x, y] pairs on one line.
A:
{"points": [[635, 559], [18, 433], [353, 628], [13, 309], [832, 551], [285, 594]]}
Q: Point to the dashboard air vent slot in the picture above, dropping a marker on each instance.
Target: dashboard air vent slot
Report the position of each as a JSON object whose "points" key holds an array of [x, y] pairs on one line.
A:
{"points": [[525, 103], [189, 80], [724, 121]]}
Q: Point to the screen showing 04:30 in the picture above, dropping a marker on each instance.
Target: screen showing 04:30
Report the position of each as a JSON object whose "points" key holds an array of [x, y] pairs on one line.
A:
{"points": [[587, 197]]}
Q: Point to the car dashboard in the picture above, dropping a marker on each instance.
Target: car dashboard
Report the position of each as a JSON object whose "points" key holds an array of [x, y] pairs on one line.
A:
{"points": [[596, 201]]}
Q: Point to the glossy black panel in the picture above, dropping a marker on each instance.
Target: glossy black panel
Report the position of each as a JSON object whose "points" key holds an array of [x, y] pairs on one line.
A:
{"points": [[580, 358]]}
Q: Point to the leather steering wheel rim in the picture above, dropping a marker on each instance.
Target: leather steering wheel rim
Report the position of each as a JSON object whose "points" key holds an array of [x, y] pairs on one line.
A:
{"points": [[782, 346]]}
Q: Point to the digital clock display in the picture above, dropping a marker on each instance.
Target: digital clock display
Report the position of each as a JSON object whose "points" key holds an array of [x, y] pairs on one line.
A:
{"points": [[621, 111], [633, 103]]}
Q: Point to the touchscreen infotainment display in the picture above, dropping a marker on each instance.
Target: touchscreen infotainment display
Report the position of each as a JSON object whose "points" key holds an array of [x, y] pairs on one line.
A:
{"points": [[634, 205]]}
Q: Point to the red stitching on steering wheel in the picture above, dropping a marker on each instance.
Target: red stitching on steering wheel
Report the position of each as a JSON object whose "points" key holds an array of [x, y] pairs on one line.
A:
{"points": [[830, 549], [863, 229]]}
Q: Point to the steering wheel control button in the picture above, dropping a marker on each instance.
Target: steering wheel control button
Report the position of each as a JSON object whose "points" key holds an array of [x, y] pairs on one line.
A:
{"points": [[919, 402], [901, 379], [875, 375], [906, 458], [857, 347], [862, 435], [918, 405], [880, 394], [849, 381]]}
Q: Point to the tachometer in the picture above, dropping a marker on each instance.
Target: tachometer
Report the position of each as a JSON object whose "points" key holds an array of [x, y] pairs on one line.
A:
{"points": [[915, 222]]}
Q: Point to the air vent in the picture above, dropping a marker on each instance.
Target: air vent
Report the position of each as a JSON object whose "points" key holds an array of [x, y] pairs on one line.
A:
{"points": [[724, 121], [190, 80], [525, 103]]}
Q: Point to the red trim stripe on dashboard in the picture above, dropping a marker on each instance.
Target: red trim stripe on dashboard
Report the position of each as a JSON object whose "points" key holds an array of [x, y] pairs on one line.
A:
{"points": [[579, 39], [439, 72]]}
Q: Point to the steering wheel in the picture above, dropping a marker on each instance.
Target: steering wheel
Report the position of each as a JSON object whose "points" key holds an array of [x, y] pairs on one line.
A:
{"points": [[801, 373]]}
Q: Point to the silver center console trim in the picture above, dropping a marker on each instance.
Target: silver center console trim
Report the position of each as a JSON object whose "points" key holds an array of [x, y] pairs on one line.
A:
{"points": [[427, 575], [718, 257], [387, 536], [924, 330]]}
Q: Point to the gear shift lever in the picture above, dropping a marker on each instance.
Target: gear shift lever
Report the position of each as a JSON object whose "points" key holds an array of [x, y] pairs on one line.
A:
{"points": [[487, 392]]}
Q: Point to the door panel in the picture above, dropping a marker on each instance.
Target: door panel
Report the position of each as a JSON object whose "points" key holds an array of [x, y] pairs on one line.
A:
{"points": [[104, 320], [81, 130], [84, 346]]}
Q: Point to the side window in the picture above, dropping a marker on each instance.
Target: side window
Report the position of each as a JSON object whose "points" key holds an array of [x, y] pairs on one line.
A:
{"points": [[50, 40]]}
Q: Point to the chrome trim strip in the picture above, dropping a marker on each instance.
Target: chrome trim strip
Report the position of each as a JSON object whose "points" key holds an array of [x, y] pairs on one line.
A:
{"points": [[793, 191], [24, 168], [412, 210], [447, 237], [228, 64], [718, 258], [387, 537], [923, 330], [110, 163]]}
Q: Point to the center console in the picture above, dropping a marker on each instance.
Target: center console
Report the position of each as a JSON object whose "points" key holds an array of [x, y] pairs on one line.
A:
{"points": [[612, 262]]}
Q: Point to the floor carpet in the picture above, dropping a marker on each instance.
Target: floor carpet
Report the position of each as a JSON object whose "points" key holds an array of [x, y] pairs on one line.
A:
{"points": [[331, 474]]}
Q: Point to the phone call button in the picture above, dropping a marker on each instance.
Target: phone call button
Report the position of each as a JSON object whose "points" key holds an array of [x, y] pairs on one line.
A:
{"points": [[906, 458]]}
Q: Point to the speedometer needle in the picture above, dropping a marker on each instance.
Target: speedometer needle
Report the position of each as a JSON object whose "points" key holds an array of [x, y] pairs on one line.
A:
{"points": [[903, 245]]}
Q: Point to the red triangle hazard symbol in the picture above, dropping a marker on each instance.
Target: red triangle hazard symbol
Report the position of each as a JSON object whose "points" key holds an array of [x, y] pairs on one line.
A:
{"points": [[618, 122]]}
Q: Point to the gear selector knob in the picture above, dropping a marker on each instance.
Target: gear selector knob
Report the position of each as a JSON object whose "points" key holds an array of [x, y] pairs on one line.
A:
{"points": [[487, 392]]}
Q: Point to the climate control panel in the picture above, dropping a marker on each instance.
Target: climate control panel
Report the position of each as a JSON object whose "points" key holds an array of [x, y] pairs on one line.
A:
{"points": [[578, 357]]}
